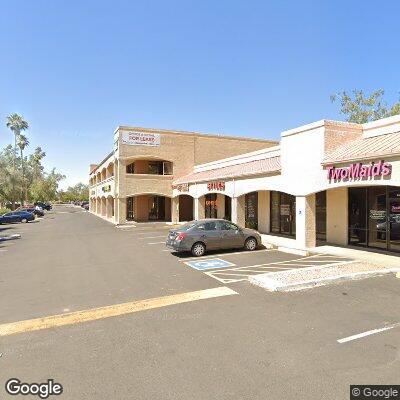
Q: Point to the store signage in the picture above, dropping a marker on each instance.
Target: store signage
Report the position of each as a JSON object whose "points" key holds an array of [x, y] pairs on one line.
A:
{"points": [[183, 187], [140, 139], [359, 171], [216, 186]]}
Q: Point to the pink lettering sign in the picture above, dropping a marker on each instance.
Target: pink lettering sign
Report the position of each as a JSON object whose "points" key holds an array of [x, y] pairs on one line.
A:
{"points": [[359, 171]]}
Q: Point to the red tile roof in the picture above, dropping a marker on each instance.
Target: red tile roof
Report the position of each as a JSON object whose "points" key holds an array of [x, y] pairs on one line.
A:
{"points": [[257, 167], [366, 148]]}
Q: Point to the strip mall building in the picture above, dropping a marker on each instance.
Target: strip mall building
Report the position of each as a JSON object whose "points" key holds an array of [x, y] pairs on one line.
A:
{"points": [[325, 182]]}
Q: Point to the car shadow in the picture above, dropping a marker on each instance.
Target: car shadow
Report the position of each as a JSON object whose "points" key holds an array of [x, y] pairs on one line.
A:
{"points": [[211, 253]]}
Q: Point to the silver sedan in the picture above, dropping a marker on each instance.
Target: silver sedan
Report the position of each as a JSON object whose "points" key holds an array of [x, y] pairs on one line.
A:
{"points": [[211, 234]]}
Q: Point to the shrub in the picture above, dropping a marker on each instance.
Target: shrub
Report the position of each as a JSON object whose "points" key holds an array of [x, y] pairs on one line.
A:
{"points": [[4, 210]]}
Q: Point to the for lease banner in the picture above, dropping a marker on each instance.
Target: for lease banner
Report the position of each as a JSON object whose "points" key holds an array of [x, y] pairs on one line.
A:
{"points": [[140, 139]]}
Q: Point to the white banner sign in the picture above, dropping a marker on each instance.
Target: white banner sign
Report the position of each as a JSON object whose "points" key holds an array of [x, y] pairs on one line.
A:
{"points": [[140, 139]]}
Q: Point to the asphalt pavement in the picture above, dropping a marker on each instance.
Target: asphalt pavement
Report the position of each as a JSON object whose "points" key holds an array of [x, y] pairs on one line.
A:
{"points": [[251, 344]]}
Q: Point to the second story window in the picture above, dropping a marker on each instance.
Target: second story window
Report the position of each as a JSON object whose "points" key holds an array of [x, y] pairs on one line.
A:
{"points": [[130, 169]]}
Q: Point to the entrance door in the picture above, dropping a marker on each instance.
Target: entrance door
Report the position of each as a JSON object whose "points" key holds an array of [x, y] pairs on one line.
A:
{"points": [[156, 208], [130, 213], [288, 214], [211, 205], [251, 210]]}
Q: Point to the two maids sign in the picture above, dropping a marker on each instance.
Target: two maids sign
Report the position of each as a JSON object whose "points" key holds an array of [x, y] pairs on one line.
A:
{"points": [[140, 139]]}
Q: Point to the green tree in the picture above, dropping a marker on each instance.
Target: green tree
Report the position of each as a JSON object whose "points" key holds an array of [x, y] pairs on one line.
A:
{"points": [[22, 143], [45, 189], [359, 108], [17, 125]]}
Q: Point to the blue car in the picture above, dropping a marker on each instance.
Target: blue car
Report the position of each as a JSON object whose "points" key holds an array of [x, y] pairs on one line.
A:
{"points": [[16, 216]]}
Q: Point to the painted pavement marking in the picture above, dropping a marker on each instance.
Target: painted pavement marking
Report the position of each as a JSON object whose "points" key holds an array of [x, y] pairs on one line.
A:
{"points": [[157, 242], [211, 263], [152, 237], [243, 273], [368, 333], [93, 314], [225, 254]]}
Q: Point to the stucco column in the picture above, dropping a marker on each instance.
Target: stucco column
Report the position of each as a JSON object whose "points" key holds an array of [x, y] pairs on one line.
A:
{"points": [[109, 207], [238, 216], [337, 216], [175, 209], [264, 211], [305, 221], [199, 210], [121, 207], [220, 205], [115, 200]]}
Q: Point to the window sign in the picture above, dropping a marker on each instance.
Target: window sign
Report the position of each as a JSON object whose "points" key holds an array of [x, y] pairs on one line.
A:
{"points": [[141, 139]]}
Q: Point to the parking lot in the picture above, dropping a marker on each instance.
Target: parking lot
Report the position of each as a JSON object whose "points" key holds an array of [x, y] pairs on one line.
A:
{"points": [[110, 313]]}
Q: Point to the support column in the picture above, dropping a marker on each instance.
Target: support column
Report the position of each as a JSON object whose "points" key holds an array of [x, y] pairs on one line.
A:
{"points": [[238, 214], [109, 207], [220, 205], [264, 211], [175, 209], [305, 221], [97, 206], [199, 210], [337, 216], [121, 207]]}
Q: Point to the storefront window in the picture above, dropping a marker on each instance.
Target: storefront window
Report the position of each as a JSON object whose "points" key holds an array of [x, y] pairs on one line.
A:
{"points": [[283, 213], [374, 217], [251, 210], [211, 205], [320, 215], [130, 202]]}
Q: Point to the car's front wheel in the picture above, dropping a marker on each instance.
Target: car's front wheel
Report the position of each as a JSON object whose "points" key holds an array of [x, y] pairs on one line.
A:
{"points": [[250, 244], [198, 249], [24, 220]]}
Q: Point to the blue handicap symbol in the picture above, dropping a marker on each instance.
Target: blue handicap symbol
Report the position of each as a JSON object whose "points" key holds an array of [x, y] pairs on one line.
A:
{"points": [[211, 263]]}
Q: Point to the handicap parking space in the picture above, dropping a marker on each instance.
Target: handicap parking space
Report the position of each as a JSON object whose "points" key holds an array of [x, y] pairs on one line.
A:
{"points": [[236, 267]]}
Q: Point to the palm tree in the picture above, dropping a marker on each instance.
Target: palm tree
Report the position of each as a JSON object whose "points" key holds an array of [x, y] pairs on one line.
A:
{"points": [[22, 143], [36, 158], [17, 124]]}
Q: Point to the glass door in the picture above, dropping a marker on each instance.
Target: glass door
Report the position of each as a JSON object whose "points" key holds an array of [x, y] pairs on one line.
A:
{"points": [[251, 210]]}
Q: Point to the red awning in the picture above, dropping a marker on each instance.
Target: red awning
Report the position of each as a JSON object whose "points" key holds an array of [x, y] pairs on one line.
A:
{"points": [[257, 167], [366, 148]]}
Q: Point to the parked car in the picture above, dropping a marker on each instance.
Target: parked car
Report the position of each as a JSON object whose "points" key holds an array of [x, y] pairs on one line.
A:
{"points": [[38, 211], [211, 234], [86, 206], [45, 206], [16, 216]]}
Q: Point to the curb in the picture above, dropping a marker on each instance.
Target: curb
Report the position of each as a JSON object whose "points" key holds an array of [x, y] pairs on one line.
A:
{"points": [[270, 284]]}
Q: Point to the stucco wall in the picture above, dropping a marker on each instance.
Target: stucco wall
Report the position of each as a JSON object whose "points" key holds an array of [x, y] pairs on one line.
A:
{"points": [[264, 211], [336, 216]]}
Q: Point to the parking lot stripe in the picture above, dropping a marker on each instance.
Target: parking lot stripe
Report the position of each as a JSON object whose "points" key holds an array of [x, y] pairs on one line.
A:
{"points": [[156, 243], [111, 311], [225, 254], [368, 333], [152, 237]]}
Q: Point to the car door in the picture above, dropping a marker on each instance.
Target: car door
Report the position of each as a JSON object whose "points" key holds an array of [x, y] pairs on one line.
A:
{"points": [[10, 217], [231, 235], [209, 233]]}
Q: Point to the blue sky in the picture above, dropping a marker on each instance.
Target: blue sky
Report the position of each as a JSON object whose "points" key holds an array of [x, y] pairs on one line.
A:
{"points": [[77, 69]]}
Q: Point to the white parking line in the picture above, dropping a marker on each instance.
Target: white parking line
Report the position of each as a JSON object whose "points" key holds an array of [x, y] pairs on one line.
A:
{"points": [[152, 237], [225, 254], [156, 243], [368, 333]]}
